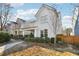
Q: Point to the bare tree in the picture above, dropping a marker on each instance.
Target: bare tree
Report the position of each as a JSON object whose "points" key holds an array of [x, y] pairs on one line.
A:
{"points": [[4, 15], [68, 31]]}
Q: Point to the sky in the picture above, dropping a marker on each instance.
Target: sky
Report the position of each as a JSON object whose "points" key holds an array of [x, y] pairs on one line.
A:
{"points": [[27, 11]]}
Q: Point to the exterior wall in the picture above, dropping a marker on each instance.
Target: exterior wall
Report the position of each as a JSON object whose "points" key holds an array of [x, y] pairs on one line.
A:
{"points": [[49, 21], [45, 23]]}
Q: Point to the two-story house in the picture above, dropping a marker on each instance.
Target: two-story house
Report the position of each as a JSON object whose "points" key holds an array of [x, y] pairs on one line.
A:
{"points": [[48, 23]]}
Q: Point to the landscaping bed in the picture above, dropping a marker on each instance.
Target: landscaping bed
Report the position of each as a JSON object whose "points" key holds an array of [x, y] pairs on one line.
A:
{"points": [[25, 45], [40, 51], [36, 49]]}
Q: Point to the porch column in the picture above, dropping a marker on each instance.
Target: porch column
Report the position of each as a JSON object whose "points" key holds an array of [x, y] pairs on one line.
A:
{"points": [[35, 33], [23, 33]]}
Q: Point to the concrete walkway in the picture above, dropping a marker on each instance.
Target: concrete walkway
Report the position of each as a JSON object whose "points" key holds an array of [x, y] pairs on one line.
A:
{"points": [[9, 45]]}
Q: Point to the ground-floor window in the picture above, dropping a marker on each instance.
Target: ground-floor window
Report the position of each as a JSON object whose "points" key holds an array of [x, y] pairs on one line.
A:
{"points": [[44, 33], [41, 33], [15, 32]]}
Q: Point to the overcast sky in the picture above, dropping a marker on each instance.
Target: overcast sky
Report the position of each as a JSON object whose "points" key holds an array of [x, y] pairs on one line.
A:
{"points": [[27, 11]]}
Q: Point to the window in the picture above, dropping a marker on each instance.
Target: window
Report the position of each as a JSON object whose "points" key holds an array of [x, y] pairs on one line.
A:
{"points": [[41, 33], [44, 33], [44, 19], [15, 32]]}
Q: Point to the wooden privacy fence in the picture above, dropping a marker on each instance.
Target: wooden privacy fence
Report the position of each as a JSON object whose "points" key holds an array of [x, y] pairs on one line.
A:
{"points": [[68, 39]]}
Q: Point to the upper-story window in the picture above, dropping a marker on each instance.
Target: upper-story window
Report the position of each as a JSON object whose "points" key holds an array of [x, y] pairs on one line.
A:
{"points": [[44, 19]]}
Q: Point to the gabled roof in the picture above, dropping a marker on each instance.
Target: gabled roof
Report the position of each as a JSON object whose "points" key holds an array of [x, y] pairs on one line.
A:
{"points": [[13, 22], [20, 19], [48, 7]]}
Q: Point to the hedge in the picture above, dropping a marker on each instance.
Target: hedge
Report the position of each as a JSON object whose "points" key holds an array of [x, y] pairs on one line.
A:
{"points": [[16, 37], [4, 37], [39, 40]]}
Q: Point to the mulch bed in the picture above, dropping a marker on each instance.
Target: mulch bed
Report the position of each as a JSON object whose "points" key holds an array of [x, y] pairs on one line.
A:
{"points": [[26, 45], [40, 51]]}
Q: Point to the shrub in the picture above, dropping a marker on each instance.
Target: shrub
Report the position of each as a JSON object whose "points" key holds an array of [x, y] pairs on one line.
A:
{"points": [[20, 37], [4, 37], [47, 40], [26, 36], [52, 40], [38, 39], [11, 36], [17, 37], [31, 35]]}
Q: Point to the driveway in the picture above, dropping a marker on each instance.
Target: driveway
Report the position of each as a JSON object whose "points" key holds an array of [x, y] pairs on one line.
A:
{"points": [[9, 45]]}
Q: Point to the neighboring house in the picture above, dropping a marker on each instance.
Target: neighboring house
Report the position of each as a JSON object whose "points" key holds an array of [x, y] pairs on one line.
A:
{"points": [[15, 27], [47, 23], [76, 21], [19, 25], [10, 28]]}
